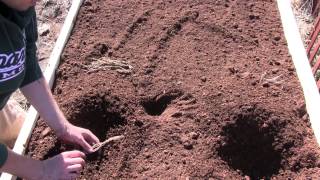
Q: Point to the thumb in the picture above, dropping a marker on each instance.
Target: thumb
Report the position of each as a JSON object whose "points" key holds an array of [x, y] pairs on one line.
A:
{"points": [[85, 145], [90, 137]]}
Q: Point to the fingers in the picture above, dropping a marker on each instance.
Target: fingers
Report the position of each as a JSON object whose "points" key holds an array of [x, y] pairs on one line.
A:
{"points": [[74, 164], [73, 154], [75, 161], [85, 145], [82, 137], [75, 168], [65, 166], [90, 137]]}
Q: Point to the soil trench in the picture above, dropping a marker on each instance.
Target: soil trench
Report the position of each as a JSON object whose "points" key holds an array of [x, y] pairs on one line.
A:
{"points": [[200, 89]]}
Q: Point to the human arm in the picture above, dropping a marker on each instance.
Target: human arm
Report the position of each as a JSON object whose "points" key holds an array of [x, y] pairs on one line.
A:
{"points": [[66, 165], [37, 91], [39, 95]]}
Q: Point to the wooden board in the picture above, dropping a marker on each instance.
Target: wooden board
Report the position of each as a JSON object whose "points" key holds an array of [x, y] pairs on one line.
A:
{"points": [[301, 63]]}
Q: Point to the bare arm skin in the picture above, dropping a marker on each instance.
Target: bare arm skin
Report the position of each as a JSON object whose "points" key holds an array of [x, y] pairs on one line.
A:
{"points": [[65, 166], [39, 95]]}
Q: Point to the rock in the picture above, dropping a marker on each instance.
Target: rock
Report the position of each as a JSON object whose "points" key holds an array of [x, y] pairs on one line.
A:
{"points": [[184, 162], [291, 69], [87, 3], [203, 79], [59, 90], [188, 145], [147, 155], [179, 82], [177, 114], [301, 109], [187, 142], [123, 71], [233, 70], [138, 123], [194, 135], [275, 94], [277, 38], [235, 26], [245, 75], [253, 17], [253, 83], [44, 29], [148, 71], [277, 63], [45, 132], [275, 71], [265, 125], [265, 84]]}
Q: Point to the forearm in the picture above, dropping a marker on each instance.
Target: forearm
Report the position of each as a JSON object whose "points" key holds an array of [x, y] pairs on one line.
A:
{"points": [[39, 95], [16, 164]]}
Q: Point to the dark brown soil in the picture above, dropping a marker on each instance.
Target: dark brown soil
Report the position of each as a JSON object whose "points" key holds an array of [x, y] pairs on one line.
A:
{"points": [[201, 100]]}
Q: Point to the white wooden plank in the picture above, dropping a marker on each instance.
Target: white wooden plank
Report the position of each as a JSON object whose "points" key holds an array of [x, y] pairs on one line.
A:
{"points": [[61, 41], [301, 63]]}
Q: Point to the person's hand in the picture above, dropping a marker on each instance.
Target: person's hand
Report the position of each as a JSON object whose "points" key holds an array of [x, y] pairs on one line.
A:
{"points": [[65, 166], [78, 135]]}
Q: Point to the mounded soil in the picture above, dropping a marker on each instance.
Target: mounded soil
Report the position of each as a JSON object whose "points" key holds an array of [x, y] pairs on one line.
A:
{"points": [[199, 88]]}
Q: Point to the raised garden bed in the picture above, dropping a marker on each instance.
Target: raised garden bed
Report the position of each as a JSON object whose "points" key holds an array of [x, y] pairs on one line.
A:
{"points": [[200, 89]]}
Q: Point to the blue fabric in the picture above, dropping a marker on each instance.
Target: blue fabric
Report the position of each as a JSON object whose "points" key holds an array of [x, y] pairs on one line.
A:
{"points": [[3, 154]]}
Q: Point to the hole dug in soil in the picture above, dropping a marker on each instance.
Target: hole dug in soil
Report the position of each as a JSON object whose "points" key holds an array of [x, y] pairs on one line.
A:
{"points": [[156, 105], [248, 144], [101, 114], [98, 113]]}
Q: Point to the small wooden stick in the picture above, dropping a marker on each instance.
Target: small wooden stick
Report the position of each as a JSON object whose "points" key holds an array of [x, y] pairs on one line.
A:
{"points": [[97, 146]]}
